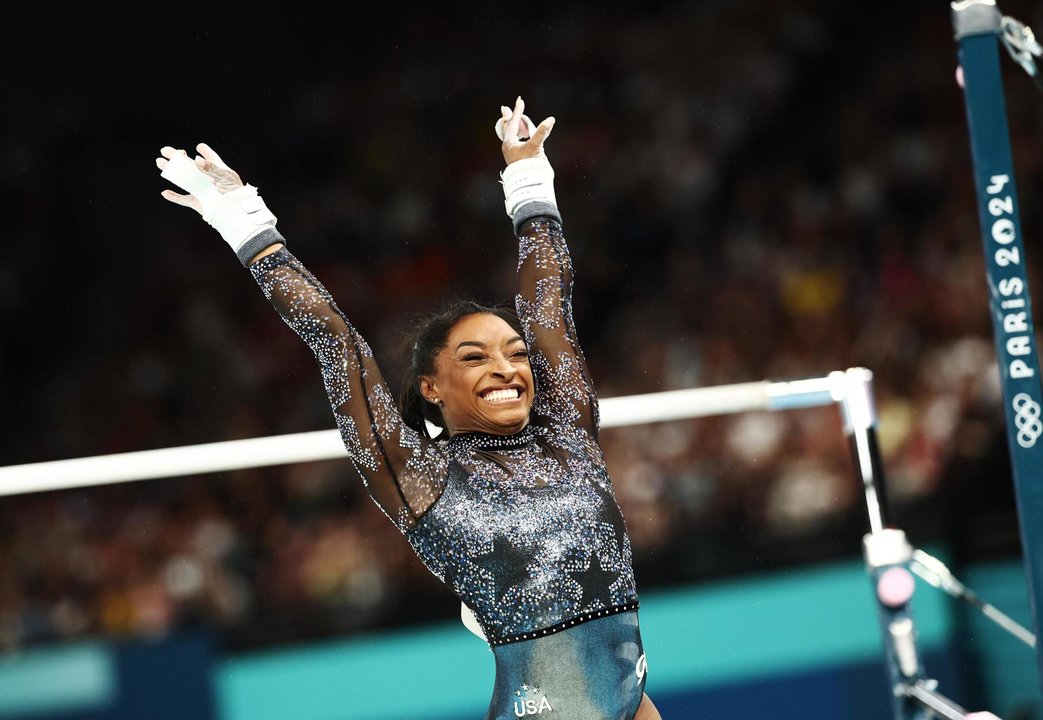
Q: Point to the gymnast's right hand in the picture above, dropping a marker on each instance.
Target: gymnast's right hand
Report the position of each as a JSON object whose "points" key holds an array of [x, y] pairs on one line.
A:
{"points": [[529, 178], [217, 193]]}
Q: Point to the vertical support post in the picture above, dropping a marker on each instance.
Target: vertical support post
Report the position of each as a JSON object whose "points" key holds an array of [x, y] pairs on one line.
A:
{"points": [[853, 389], [888, 555], [977, 26], [887, 552]]}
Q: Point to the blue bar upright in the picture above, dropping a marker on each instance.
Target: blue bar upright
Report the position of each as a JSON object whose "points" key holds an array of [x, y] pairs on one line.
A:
{"points": [[977, 24]]}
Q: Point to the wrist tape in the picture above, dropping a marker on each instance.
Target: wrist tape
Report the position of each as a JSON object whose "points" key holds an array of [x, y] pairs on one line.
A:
{"points": [[528, 180], [238, 215]]}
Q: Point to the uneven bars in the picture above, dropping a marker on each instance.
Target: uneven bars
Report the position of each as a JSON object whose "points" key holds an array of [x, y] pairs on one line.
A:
{"points": [[326, 444]]}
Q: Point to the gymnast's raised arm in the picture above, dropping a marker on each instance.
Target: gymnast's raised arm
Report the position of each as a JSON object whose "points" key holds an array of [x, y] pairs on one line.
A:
{"points": [[404, 472], [544, 300]]}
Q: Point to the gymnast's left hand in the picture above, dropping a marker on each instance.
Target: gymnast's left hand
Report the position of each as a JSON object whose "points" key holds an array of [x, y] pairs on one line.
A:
{"points": [[216, 192], [518, 148], [223, 178]]}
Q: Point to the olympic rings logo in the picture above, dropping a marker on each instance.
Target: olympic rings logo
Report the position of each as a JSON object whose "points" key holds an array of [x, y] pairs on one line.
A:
{"points": [[1030, 427]]}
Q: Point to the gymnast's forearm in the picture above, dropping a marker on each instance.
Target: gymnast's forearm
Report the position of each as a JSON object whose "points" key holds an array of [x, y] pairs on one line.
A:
{"points": [[544, 299], [370, 426], [544, 304], [403, 474], [352, 380]]}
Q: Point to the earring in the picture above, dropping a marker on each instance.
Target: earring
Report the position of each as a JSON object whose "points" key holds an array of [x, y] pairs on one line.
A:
{"points": [[436, 401]]}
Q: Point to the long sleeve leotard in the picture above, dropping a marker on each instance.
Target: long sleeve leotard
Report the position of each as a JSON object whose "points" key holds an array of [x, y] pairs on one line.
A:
{"points": [[524, 528]]}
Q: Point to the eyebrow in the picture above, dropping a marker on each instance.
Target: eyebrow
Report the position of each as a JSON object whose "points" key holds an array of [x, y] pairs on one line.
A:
{"points": [[475, 343]]}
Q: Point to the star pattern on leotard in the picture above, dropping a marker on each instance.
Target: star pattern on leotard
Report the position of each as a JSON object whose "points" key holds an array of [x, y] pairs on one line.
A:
{"points": [[506, 563], [594, 581]]}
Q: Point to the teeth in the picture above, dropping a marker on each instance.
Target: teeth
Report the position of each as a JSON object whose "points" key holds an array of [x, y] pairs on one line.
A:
{"points": [[500, 395]]}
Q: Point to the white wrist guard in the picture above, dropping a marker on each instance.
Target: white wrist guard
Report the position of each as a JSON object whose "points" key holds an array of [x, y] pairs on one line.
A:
{"points": [[528, 180], [238, 215]]}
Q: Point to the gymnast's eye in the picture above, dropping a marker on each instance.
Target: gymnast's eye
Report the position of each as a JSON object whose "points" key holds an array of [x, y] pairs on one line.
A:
{"points": [[471, 357], [521, 354]]}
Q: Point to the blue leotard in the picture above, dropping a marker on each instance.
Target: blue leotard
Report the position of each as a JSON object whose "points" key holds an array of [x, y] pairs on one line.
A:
{"points": [[524, 528]]}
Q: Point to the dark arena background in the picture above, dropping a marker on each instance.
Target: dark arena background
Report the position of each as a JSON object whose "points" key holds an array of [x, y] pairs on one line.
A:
{"points": [[749, 190]]}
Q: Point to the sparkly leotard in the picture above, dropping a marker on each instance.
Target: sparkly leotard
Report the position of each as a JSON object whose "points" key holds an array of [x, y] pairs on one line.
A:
{"points": [[524, 528]]}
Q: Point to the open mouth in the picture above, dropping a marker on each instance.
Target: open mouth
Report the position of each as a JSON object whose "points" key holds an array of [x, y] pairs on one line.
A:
{"points": [[501, 395]]}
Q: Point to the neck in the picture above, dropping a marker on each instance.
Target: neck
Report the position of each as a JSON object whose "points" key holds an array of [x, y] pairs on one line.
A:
{"points": [[506, 432]]}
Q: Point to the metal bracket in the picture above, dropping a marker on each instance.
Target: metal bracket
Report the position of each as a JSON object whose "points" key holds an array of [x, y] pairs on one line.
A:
{"points": [[1022, 45], [982, 17]]}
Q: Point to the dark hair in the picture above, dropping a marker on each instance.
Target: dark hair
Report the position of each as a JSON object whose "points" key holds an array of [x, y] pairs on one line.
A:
{"points": [[427, 339]]}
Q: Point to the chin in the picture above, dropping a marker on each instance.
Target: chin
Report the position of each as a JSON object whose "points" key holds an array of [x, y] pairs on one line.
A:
{"points": [[512, 425], [509, 428]]}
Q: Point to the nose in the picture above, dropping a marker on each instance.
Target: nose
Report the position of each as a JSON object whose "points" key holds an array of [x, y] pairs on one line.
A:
{"points": [[503, 368]]}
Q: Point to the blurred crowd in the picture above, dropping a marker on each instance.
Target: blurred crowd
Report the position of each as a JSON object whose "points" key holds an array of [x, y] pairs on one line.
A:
{"points": [[749, 191]]}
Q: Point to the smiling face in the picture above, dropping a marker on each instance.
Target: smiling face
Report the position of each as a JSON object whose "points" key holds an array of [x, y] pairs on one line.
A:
{"points": [[482, 377]]}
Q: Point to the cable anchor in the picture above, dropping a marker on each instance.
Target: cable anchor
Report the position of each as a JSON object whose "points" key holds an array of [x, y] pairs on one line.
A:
{"points": [[1022, 45]]}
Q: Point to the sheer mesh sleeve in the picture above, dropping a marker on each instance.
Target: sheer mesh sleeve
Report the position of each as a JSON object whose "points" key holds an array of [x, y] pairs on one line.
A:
{"points": [[544, 303], [404, 472]]}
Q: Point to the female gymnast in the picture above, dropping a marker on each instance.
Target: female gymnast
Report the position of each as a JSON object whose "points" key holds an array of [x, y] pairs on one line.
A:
{"points": [[515, 510]]}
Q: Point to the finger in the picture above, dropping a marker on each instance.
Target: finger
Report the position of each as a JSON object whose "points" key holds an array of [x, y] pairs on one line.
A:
{"points": [[510, 132], [543, 131], [161, 163], [177, 198], [510, 129], [209, 155], [501, 124], [169, 152]]}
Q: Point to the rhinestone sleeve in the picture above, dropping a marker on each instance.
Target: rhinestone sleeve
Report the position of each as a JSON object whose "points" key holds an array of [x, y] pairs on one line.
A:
{"points": [[404, 472], [544, 304]]}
